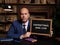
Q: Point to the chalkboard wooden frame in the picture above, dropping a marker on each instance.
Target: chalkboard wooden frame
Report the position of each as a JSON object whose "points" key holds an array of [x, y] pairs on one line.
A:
{"points": [[37, 19]]}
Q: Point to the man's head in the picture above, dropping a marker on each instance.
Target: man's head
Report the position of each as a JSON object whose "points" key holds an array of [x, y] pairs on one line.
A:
{"points": [[24, 14]]}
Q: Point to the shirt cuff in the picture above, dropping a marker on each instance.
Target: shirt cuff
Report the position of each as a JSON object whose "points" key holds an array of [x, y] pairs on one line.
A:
{"points": [[21, 37]]}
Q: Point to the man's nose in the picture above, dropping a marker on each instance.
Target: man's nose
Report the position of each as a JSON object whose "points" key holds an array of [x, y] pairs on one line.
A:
{"points": [[24, 15]]}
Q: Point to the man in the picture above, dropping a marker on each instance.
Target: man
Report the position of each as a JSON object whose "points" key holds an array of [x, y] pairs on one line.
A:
{"points": [[16, 29]]}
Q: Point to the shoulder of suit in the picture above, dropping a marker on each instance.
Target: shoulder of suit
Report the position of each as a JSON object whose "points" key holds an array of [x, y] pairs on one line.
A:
{"points": [[16, 22]]}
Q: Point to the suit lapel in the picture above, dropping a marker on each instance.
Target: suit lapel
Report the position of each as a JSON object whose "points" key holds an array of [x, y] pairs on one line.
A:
{"points": [[19, 26], [28, 28]]}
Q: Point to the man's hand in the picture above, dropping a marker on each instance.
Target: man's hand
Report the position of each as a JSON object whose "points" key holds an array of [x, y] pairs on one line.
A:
{"points": [[25, 35], [51, 34]]}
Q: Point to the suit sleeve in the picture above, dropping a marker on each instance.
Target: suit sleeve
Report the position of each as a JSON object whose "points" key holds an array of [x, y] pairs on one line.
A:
{"points": [[12, 34]]}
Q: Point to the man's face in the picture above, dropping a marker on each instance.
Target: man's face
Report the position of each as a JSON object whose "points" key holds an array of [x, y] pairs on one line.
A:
{"points": [[24, 15]]}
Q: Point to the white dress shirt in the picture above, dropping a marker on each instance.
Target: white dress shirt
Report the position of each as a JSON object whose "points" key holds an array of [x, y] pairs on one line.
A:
{"points": [[26, 25]]}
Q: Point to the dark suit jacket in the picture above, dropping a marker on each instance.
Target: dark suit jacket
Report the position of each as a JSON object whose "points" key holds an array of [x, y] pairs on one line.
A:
{"points": [[15, 30]]}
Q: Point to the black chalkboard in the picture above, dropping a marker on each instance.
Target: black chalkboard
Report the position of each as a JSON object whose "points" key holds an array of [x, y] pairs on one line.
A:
{"points": [[41, 26]]}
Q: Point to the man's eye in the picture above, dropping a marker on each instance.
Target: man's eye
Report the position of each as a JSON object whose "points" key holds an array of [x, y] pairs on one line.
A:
{"points": [[22, 14], [25, 13]]}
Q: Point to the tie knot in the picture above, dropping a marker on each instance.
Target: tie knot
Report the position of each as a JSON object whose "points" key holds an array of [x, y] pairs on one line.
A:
{"points": [[24, 25]]}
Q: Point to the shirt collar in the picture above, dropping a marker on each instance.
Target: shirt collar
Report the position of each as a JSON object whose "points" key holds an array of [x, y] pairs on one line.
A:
{"points": [[26, 23]]}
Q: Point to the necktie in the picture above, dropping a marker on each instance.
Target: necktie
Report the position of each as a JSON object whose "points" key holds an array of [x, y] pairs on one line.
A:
{"points": [[24, 29]]}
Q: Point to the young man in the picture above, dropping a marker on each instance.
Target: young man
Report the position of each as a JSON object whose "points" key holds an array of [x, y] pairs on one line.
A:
{"points": [[16, 30]]}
